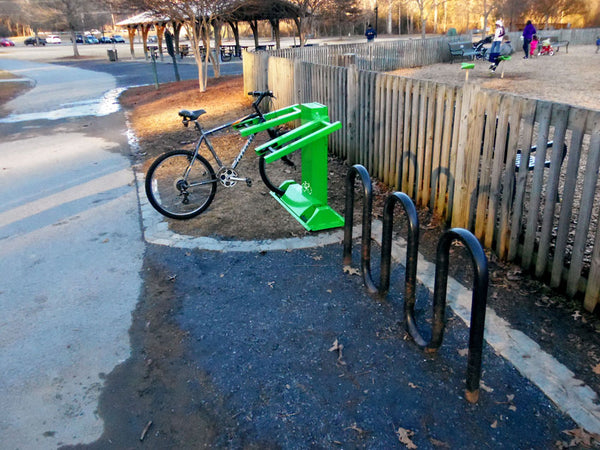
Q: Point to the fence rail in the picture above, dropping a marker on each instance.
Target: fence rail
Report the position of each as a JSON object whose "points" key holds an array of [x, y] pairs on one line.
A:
{"points": [[455, 150]]}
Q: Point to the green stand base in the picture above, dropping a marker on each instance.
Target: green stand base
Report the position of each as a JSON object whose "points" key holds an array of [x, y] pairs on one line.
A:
{"points": [[307, 210]]}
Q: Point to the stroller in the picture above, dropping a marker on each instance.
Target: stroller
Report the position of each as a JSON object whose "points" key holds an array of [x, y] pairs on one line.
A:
{"points": [[480, 50], [546, 48]]}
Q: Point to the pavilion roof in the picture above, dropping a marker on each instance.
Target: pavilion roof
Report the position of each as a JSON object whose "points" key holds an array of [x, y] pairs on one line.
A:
{"points": [[245, 10]]}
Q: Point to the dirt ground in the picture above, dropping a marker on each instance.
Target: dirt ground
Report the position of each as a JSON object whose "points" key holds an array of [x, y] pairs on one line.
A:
{"points": [[564, 77]]}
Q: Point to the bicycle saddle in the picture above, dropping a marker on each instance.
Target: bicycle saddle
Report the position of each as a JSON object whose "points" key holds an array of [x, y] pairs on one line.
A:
{"points": [[191, 115]]}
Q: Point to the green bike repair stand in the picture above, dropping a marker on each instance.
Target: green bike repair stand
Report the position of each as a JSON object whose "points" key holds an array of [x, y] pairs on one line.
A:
{"points": [[306, 202]]}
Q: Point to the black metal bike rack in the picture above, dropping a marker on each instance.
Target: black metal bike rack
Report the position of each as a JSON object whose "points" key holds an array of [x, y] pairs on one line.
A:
{"points": [[480, 266], [365, 259]]}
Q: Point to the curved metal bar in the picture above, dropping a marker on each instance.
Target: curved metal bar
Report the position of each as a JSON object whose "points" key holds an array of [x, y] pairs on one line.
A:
{"points": [[410, 279], [359, 170], [478, 304]]}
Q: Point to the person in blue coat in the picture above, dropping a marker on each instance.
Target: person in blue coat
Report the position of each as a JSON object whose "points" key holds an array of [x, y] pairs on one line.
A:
{"points": [[528, 33], [370, 33]]}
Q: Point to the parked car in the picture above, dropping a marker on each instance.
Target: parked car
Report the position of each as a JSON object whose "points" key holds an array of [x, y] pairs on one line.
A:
{"points": [[118, 39], [35, 41], [78, 39], [53, 39], [152, 39], [6, 43], [91, 40], [105, 40]]}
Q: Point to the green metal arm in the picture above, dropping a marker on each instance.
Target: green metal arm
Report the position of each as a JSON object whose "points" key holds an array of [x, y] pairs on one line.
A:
{"points": [[326, 130], [273, 119]]}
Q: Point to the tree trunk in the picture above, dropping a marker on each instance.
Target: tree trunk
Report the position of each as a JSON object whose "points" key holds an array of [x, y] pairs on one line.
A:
{"points": [[194, 34], [216, 58], [254, 27], [74, 40]]}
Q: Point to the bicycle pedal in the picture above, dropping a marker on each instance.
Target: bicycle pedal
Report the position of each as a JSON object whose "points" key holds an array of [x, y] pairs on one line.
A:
{"points": [[249, 182]]}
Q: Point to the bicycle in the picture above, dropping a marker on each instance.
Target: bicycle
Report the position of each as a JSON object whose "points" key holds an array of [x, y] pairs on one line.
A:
{"points": [[181, 184]]}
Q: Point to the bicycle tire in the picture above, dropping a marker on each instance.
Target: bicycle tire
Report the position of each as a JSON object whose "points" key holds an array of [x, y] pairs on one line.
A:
{"points": [[170, 194], [265, 178]]}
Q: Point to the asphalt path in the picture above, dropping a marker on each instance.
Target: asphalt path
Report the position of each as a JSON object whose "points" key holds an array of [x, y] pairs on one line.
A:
{"points": [[139, 72], [70, 253]]}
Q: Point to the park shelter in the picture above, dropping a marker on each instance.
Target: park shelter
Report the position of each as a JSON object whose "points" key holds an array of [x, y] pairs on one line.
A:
{"points": [[251, 11]]}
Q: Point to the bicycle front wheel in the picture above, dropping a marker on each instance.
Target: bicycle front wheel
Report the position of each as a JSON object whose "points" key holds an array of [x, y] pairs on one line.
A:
{"points": [[180, 186]]}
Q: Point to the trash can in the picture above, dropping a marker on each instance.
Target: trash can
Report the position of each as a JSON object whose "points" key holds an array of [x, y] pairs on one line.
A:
{"points": [[112, 55]]}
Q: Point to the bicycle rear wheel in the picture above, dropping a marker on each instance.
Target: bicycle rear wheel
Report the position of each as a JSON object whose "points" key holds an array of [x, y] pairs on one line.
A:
{"points": [[176, 195]]}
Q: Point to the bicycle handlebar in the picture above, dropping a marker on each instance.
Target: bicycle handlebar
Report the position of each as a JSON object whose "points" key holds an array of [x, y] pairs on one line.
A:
{"points": [[261, 93]]}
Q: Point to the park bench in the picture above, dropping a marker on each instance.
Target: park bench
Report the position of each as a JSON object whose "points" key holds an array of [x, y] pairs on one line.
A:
{"points": [[461, 50], [184, 50], [556, 43]]}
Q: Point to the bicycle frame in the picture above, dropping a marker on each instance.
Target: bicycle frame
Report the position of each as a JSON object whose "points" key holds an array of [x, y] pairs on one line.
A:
{"points": [[204, 138]]}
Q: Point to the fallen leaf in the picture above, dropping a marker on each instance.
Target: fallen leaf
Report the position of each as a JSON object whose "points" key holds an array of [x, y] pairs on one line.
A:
{"points": [[596, 369], [438, 443], [494, 424], [356, 428], [404, 436], [270, 284], [510, 397], [463, 352], [412, 385], [337, 347], [485, 387], [317, 258], [351, 270], [512, 407], [580, 436], [576, 315]]}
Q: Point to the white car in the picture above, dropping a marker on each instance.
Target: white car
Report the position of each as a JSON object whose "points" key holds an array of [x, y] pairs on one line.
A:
{"points": [[53, 39]]}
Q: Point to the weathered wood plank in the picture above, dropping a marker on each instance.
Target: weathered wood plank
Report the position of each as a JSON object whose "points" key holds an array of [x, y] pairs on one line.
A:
{"points": [[543, 115], [585, 212], [528, 119], [492, 147], [461, 202], [430, 93], [514, 107], [561, 113], [577, 124], [436, 150]]}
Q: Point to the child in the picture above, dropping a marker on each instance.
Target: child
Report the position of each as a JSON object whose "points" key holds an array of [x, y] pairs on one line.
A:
{"points": [[533, 45]]}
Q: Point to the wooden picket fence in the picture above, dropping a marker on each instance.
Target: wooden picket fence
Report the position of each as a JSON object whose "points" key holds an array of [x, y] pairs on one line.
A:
{"points": [[455, 150]]}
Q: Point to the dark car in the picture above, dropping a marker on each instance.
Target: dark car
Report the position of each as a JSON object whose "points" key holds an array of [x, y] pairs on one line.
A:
{"points": [[118, 39], [105, 40], [91, 40], [6, 43], [78, 39], [35, 41]]}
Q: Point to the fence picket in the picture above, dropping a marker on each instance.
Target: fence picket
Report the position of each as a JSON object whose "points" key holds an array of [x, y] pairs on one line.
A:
{"points": [[577, 125], [561, 113], [585, 212]]}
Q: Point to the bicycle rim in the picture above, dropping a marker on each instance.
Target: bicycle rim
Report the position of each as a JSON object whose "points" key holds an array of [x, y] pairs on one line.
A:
{"points": [[175, 195]]}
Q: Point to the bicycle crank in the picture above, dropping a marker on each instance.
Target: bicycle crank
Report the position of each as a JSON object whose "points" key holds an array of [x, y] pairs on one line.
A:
{"points": [[229, 177]]}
